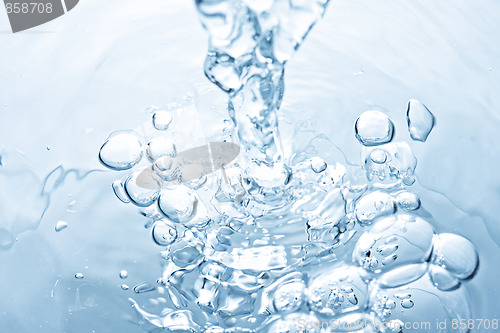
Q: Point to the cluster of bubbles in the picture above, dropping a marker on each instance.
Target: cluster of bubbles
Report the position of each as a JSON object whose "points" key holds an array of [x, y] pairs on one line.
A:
{"points": [[260, 246], [337, 247]]}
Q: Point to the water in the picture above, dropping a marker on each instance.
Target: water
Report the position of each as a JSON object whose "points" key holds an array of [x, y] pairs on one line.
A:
{"points": [[256, 237], [262, 239]]}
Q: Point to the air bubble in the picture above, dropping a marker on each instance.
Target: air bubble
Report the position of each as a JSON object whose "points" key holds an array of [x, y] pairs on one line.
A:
{"points": [[378, 156], [164, 233], [318, 165], [123, 274], [178, 203], [373, 128], [407, 303], [161, 120], [408, 201], [374, 205], [79, 276], [413, 243], [420, 120], [142, 188], [121, 151], [456, 254], [160, 147]]}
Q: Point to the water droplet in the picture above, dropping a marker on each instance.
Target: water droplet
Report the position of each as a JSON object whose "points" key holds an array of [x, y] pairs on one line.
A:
{"points": [[178, 203], [123, 274], [124, 287], [407, 303], [160, 147], [121, 151], [374, 205], [374, 128], [164, 233], [79, 276], [60, 225], [455, 253], [378, 156], [420, 120], [161, 120], [318, 164], [408, 201]]}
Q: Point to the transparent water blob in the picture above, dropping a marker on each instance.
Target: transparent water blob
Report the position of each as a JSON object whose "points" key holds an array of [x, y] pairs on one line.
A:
{"points": [[60, 225], [123, 274], [378, 156], [374, 205], [121, 151], [161, 120], [79, 276], [393, 241], [373, 128], [160, 146], [164, 232], [337, 291], [456, 254], [420, 306], [443, 279], [318, 164], [420, 120], [408, 201], [178, 203], [138, 194], [400, 163]]}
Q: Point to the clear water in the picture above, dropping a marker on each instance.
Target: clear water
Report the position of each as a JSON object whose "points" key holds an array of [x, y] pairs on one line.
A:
{"points": [[267, 258]]}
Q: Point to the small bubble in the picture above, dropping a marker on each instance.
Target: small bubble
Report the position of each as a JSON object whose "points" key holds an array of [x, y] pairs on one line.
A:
{"points": [[407, 303], [60, 225], [373, 128], [160, 147], [178, 204], [161, 120], [164, 233], [408, 201], [123, 274], [378, 156], [121, 151], [318, 164], [48, 148], [124, 287], [79, 276]]}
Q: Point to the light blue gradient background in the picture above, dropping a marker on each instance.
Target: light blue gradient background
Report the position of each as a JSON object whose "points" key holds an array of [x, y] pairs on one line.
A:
{"points": [[71, 82]]}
